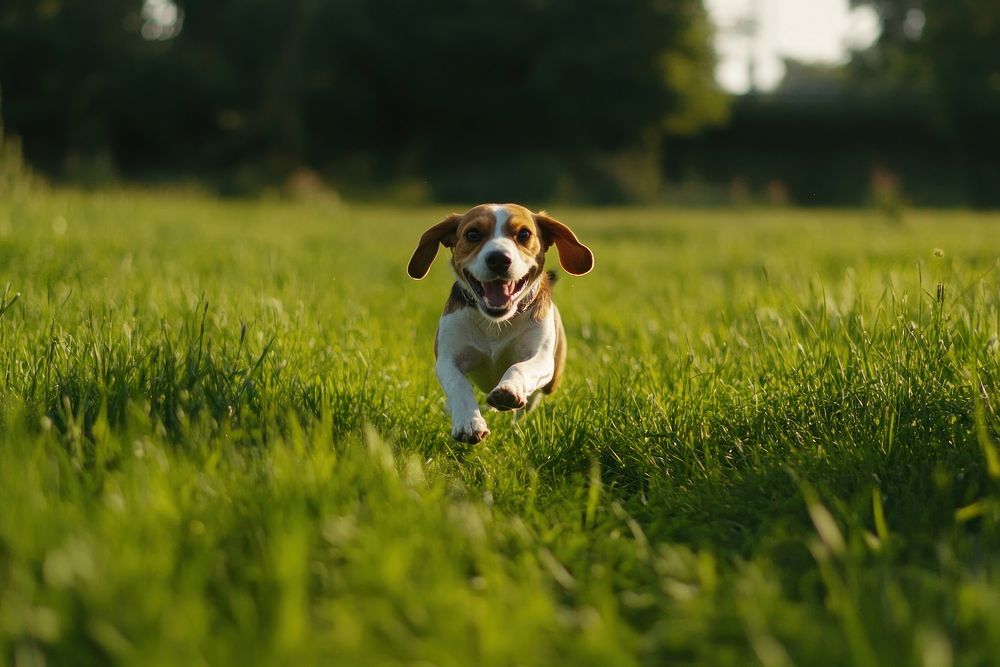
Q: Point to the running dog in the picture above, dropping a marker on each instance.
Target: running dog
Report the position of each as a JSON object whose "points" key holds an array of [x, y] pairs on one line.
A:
{"points": [[500, 328]]}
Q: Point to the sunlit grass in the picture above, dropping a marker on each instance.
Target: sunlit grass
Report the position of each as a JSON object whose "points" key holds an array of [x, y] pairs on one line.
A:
{"points": [[221, 442]]}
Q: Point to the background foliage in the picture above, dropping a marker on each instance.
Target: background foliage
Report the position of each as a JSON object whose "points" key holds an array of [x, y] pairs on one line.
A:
{"points": [[365, 90], [597, 101]]}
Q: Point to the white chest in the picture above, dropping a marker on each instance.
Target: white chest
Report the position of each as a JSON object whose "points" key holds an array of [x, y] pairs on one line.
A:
{"points": [[483, 350]]}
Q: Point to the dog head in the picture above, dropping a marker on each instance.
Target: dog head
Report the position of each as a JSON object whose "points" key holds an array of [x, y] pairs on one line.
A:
{"points": [[497, 253]]}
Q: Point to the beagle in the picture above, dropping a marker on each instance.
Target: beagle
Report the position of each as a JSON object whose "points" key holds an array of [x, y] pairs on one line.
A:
{"points": [[499, 327]]}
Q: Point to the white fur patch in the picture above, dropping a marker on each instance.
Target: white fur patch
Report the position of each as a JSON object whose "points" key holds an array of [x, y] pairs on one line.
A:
{"points": [[502, 216]]}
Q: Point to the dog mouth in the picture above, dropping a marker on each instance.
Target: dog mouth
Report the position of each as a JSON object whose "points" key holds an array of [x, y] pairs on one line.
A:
{"points": [[496, 296]]}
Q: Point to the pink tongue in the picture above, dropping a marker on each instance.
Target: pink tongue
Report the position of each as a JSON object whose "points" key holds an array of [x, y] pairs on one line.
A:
{"points": [[498, 293]]}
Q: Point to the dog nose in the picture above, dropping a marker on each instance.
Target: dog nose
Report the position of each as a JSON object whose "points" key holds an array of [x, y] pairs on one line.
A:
{"points": [[498, 262]]}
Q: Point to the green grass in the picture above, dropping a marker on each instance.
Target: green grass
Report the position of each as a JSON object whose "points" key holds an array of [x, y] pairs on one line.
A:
{"points": [[222, 442]]}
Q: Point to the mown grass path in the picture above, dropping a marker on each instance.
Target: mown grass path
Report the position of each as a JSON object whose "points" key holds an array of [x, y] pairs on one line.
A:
{"points": [[222, 442]]}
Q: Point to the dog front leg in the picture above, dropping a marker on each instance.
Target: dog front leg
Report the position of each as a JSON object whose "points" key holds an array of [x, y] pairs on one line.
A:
{"points": [[521, 381], [467, 423]]}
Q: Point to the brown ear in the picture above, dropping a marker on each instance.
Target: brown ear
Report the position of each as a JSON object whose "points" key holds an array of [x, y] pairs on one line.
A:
{"points": [[574, 257], [427, 249]]}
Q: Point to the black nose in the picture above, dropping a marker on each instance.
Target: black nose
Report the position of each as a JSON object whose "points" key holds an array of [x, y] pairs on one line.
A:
{"points": [[498, 262]]}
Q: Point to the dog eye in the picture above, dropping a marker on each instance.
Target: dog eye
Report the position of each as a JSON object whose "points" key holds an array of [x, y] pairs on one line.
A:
{"points": [[524, 235], [473, 235]]}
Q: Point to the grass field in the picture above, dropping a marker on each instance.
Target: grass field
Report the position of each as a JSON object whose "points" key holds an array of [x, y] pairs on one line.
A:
{"points": [[222, 442]]}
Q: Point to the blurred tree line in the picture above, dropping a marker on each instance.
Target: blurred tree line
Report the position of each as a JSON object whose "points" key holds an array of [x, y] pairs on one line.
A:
{"points": [[593, 100], [915, 118], [539, 97], [944, 56]]}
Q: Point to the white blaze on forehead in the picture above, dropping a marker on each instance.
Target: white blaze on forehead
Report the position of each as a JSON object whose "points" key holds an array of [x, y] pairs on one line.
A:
{"points": [[501, 216]]}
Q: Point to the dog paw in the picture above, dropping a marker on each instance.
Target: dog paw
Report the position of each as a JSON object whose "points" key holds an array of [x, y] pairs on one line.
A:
{"points": [[506, 397], [472, 431]]}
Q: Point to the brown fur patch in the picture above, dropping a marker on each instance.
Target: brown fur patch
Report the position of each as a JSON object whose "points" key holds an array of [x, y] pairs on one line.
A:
{"points": [[540, 304], [456, 301], [575, 258], [443, 233], [560, 354], [464, 252]]}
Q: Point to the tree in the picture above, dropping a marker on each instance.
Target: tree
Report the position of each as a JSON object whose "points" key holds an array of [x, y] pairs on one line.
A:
{"points": [[413, 86], [946, 52]]}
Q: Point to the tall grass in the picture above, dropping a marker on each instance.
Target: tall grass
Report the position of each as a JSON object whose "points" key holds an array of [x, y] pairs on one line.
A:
{"points": [[221, 442]]}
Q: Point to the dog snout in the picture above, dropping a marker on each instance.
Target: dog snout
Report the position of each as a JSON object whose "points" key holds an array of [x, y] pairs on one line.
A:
{"points": [[498, 262]]}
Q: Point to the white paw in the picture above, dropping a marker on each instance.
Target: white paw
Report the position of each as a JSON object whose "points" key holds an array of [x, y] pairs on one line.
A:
{"points": [[506, 397], [471, 430]]}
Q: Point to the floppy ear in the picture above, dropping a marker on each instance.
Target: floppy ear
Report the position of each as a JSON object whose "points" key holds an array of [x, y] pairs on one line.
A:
{"points": [[427, 249], [574, 257]]}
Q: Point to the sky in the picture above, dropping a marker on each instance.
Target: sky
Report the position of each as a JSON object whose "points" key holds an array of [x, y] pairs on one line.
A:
{"points": [[817, 31]]}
